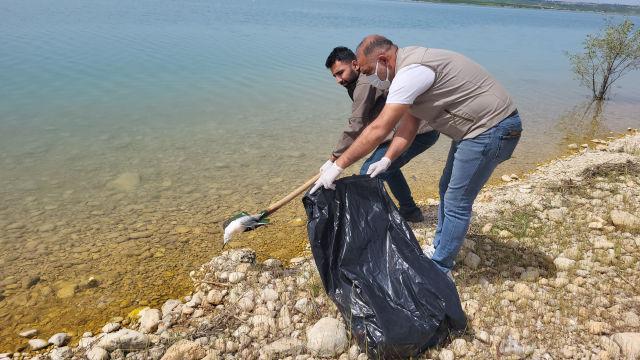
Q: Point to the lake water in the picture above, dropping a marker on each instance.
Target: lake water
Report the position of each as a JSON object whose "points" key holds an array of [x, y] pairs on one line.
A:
{"points": [[218, 106]]}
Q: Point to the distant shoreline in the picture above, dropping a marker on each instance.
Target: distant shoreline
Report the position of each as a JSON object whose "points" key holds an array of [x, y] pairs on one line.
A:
{"points": [[546, 5]]}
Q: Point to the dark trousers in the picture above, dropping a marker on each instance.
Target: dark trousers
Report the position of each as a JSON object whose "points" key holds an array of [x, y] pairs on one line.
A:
{"points": [[393, 176]]}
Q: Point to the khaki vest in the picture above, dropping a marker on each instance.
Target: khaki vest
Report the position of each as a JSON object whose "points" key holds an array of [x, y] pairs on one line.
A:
{"points": [[464, 101]]}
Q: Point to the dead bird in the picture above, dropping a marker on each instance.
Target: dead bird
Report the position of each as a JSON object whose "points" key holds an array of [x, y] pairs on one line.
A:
{"points": [[242, 224], [245, 222]]}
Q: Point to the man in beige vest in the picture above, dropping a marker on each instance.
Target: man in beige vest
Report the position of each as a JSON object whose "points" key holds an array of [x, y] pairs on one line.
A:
{"points": [[458, 98], [368, 102]]}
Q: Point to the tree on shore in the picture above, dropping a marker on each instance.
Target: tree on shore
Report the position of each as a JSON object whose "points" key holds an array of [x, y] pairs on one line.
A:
{"points": [[607, 56]]}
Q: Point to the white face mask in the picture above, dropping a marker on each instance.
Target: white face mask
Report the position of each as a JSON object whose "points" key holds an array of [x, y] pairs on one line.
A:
{"points": [[375, 81]]}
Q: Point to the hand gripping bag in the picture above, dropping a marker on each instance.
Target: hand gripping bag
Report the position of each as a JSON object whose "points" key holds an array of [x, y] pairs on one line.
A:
{"points": [[395, 301]]}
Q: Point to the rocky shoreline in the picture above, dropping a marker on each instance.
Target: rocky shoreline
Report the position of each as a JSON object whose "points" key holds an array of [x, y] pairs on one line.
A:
{"points": [[549, 270]]}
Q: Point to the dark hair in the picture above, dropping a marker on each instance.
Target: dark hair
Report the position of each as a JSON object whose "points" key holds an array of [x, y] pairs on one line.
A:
{"points": [[377, 44], [342, 54]]}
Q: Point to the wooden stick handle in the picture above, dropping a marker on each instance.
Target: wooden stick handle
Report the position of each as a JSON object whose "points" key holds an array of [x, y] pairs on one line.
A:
{"points": [[277, 205]]}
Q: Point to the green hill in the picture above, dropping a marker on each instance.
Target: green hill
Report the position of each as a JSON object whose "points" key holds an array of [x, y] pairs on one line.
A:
{"points": [[550, 5]]}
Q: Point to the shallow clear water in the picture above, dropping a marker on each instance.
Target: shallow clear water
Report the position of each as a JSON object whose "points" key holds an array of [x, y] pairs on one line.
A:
{"points": [[219, 106]]}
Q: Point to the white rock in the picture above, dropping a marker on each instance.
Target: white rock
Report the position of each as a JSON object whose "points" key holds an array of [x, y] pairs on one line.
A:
{"points": [[97, 353], [603, 245], [86, 342], [27, 332], [327, 338], [269, 295], [487, 228], [523, 291], [61, 353], [220, 345], [171, 318], [142, 312], [572, 146], [110, 327], [246, 304], [610, 346], [446, 354], [272, 263], [198, 313], [87, 334], [271, 306], [285, 318], [188, 310], [285, 322], [236, 277], [169, 305], [530, 275], [125, 339], [263, 321], [556, 215], [595, 225], [242, 329], [283, 347], [354, 351], [601, 301], [185, 350], [215, 297], [470, 307], [629, 344], [537, 205], [469, 244], [149, 321], [573, 254], [232, 346], [506, 178], [303, 305], [59, 339], [37, 344], [472, 260], [631, 319], [625, 220], [563, 263], [196, 300], [559, 283], [459, 347], [598, 327], [482, 336]]}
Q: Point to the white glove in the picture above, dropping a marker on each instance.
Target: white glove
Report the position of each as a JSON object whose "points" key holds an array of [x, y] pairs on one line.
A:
{"points": [[326, 166], [327, 178], [379, 167]]}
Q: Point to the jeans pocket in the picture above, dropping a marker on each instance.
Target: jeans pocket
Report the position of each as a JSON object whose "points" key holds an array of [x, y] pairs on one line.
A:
{"points": [[506, 146]]}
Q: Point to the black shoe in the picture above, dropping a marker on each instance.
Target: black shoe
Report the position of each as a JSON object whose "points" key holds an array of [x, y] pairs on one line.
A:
{"points": [[414, 215]]}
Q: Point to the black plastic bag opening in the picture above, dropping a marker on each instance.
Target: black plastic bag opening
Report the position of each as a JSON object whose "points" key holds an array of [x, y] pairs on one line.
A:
{"points": [[395, 301]]}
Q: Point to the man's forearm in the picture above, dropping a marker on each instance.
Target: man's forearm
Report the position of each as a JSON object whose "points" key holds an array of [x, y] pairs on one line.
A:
{"points": [[404, 137], [373, 135]]}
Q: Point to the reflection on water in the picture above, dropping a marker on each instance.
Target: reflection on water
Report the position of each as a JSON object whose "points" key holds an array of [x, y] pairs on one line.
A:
{"points": [[583, 123], [216, 107]]}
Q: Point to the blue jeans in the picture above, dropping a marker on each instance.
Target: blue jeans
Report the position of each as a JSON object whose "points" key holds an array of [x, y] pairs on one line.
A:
{"points": [[393, 176], [469, 166]]}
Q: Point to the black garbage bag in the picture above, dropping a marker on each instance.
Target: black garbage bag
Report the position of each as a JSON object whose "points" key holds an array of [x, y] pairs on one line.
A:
{"points": [[395, 301]]}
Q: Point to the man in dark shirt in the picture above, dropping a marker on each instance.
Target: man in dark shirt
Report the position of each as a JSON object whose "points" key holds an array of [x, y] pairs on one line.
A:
{"points": [[368, 102]]}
